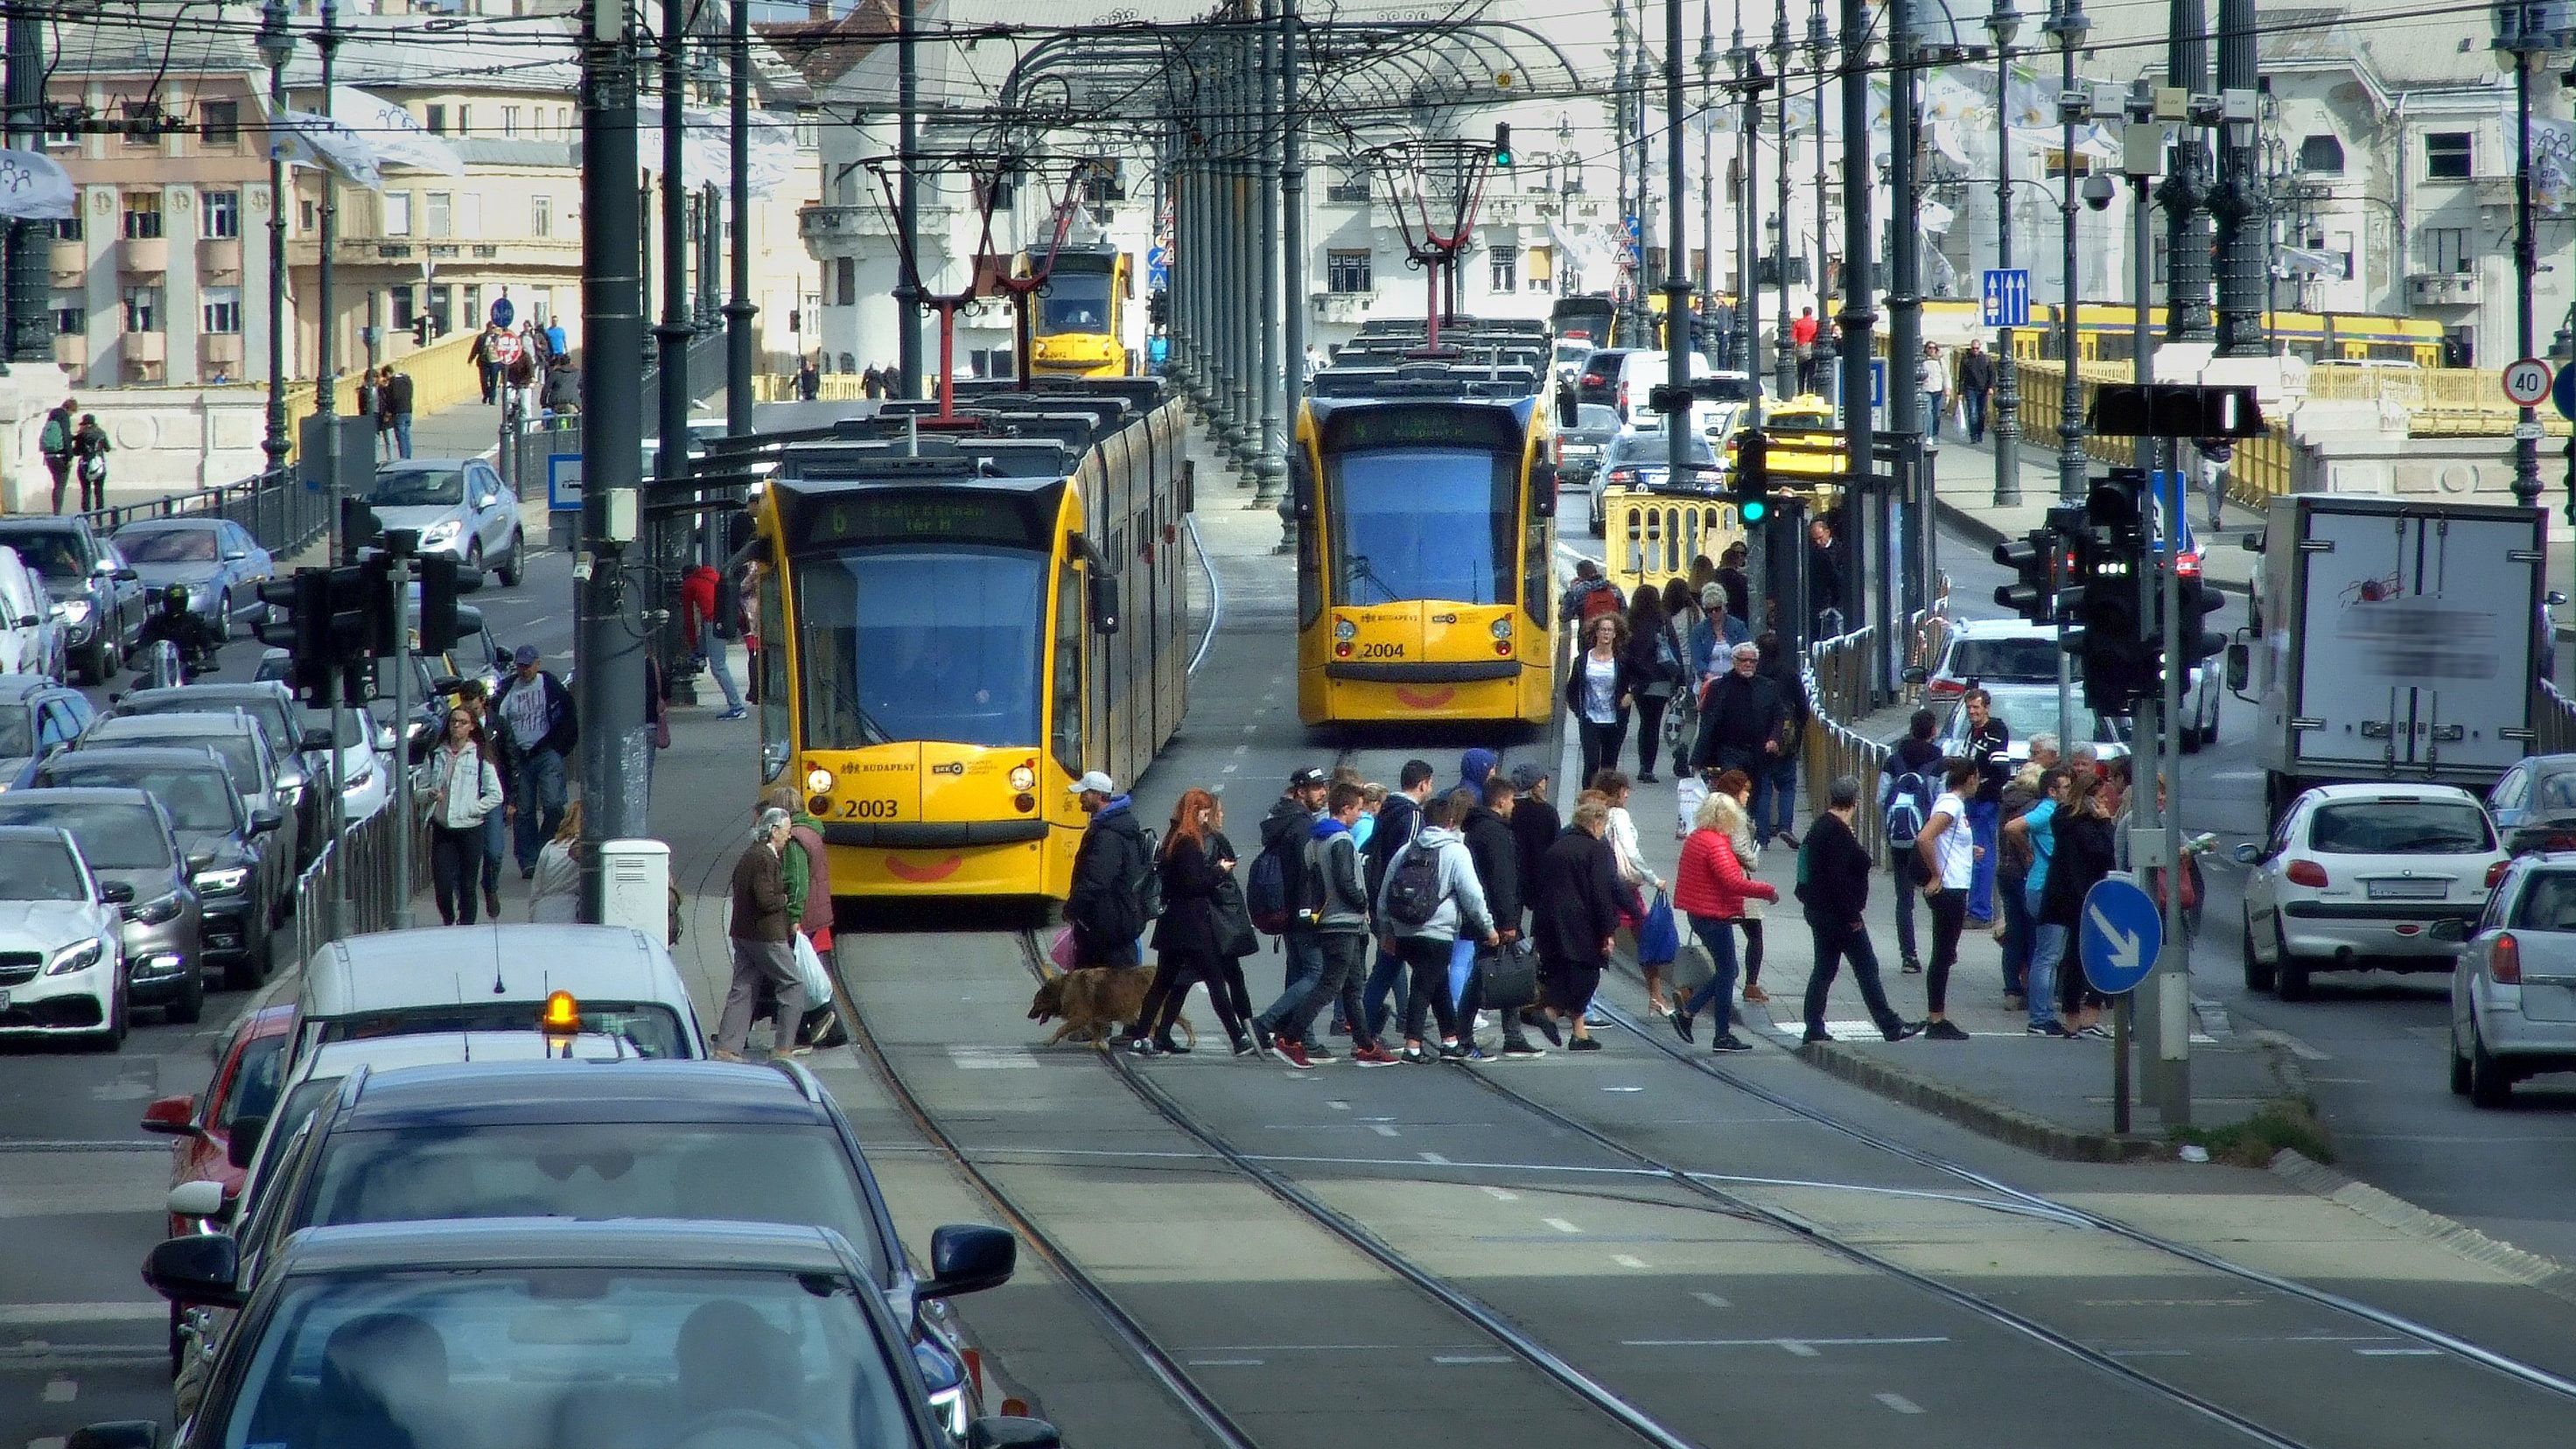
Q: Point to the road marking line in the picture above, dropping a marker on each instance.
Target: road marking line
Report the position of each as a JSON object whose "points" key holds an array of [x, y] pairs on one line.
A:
{"points": [[1435, 1159], [1627, 1260], [1713, 1300], [26, 1315], [54, 1443], [1243, 749], [1337, 1106], [1797, 1349], [1623, 1089], [1802, 1347], [1899, 1403], [1452, 1360], [1561, 1225], [2397, 1352], [1503, 1194], [991, 1058], [1230, 769], [1383, 1130], [1224, 1363], [61, 1391]]}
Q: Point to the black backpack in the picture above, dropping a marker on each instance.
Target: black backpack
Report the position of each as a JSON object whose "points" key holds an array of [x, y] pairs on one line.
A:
{"points": [[1413, 887], [1144, 885]]}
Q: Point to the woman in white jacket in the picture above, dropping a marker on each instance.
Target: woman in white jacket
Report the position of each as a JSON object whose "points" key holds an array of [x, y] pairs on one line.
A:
{"points": [[463, 787], [1614, 787]]}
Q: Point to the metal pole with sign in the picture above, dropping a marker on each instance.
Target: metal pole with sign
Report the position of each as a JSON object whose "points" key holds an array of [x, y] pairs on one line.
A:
{"points": [[2117, 941]]}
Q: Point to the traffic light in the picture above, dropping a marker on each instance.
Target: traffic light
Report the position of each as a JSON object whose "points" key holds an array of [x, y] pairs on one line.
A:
{"points": [[1158, 308], [298, 621], [420, 329], [1502, 145], [2198, 601], [1750, 488], [442, 580], [2118, 644], [2033, 560]]}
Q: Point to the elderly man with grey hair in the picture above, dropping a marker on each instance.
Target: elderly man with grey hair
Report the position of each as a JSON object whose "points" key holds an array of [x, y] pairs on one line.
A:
{"points": [[762, 952], [1834, 867], [2043, 749]]}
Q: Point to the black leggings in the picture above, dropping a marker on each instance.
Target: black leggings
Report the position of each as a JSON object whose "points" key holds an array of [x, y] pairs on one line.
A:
{"points": [[1752, 930], [1949, 918], [1428, 959], [1601, 746], [1174, 973], [1650, 731], [455, 859]]}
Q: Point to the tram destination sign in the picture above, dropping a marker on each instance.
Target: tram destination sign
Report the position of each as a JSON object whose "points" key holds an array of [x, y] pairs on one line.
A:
{"points": [[1472, 425], [905, 516]]}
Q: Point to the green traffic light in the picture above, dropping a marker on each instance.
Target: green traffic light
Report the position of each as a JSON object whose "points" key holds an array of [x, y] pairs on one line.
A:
{"points": [[1753, 510]]}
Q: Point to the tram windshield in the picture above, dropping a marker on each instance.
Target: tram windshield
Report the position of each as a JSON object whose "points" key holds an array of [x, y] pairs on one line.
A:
{"points": [[921, 643], [1074, 302], [1423, 523]]}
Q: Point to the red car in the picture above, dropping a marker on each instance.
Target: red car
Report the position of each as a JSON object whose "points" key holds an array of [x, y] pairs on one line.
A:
{"points": [[245, 1085]]}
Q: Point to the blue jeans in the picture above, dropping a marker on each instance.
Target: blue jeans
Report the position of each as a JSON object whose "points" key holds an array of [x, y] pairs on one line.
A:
{"points": [[1784, 799], [539, 795], [1386, 993], [402, 435], [1462, 969], [1719, 939], [2047, 951], [1982, 824], [2018, 929], [1305, 976], [714, 648], [495, 836]]}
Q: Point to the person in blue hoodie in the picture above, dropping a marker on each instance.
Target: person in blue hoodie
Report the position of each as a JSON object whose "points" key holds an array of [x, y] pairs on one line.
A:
{"points": [[1341, 926], [1473, 768]]}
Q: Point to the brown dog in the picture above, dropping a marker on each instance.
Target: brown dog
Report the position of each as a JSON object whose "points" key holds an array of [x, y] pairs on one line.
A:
{"points": [[1093, 1000]]}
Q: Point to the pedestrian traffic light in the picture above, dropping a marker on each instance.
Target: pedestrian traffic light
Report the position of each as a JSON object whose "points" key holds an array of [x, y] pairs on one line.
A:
{"points": [[2198, 601], [1750, 488], [297, 620], [442, 580], [2033, 560], [420, 329], [1502, 145]]}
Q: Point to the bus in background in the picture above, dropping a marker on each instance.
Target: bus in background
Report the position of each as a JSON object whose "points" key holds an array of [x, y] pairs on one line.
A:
{"points": [[1078, 327], [1426, 502]]}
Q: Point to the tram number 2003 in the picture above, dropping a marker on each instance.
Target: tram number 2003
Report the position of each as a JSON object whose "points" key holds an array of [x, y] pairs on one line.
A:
{"points": [[867, 809], [1381, 651]]}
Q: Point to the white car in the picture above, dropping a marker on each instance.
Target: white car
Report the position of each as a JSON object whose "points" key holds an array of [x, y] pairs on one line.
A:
{"points": [[62, 953], [31, 639], [2012, 651], [2513, 994], [2029, 710], [2362, 876]]}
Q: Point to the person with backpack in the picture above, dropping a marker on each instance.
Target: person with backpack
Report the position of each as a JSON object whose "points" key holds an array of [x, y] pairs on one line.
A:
{"points": [[1905, 793], [1110, 903], [1588, 597], [55, 444], [1431, 898], [1493, 848], [1282, 901], [89, 451], [1398, 821], [1833, 889], [1192, 938], [1576, 912], [1341, 926]]}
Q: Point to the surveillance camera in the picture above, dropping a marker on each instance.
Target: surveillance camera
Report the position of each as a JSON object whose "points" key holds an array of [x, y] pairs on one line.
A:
{"points": [[2099, 191]]}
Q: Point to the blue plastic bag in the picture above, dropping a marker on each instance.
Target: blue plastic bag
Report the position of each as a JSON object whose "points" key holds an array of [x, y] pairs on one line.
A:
{"points": [[1659, 940]]}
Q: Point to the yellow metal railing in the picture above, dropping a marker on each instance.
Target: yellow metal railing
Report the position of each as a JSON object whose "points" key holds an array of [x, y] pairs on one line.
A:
{"points": [[2261, 468], [781, 387], [441, 377], [1653, 537]]}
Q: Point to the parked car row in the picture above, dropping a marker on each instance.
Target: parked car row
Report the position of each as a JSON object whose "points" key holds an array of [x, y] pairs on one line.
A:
{"points": [[412, 1208]]}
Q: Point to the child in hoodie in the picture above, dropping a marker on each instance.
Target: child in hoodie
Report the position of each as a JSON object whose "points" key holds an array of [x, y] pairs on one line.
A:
{"points": [[1426, 948], [1341, 925]]}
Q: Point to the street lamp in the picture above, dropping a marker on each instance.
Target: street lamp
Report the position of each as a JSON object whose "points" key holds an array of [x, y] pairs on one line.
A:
{"points": [[2067, 24], [1746, 64], [326, 401], [1819, 51], [1784, 354], [2004, 24], [276, 47], [2525, 32]]}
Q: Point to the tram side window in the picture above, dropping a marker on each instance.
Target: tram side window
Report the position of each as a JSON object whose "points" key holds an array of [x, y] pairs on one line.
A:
{"points": [[1535, 558], [1065, 740], [770, 664]]}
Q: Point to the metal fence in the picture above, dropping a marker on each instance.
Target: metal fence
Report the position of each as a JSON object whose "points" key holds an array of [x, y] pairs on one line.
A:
{"points": [[284, 516], [1839, 690], [362, 862]]}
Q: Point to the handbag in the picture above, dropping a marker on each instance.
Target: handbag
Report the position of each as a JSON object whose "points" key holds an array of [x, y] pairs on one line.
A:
{"points": [[1690, 969], [810, 973], [1234, 933], [1060, 950], [1510, 976], [1658, 939]]}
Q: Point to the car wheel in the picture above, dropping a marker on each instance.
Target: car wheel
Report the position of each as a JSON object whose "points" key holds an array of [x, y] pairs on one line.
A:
{"points": [[98, 663], [2258, 977], [190, 1004], [2460, 1075], [474, 556], [2291, 973], [517, 567], [2490, 1085], [224, 614]]}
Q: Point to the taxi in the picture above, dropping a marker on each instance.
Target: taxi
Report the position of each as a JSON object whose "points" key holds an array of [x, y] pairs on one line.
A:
{"points": [[497, 977]]}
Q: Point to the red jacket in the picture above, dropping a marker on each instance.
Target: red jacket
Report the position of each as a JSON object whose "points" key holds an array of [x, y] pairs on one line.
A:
{"points": [[1711, 882], [697, 599]]}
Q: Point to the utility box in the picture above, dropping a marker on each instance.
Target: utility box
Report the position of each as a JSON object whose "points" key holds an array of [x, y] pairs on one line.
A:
{"points": [[635, 886]]}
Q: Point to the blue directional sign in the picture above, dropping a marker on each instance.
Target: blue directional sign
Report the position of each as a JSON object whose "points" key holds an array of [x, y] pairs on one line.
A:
{"points": [[1878, 382], [2119, 936], [1158, 255], [1630, 221], [502, 312], [2007, 297], [2563, 391]]}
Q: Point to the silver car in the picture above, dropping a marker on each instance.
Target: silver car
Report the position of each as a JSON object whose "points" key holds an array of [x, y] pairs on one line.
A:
{"points": [[126, 837], [2513, 990], [62, 957], [458, 506]]}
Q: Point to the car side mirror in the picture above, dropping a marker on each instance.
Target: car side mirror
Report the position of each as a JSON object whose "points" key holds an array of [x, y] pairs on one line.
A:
{"points": [[1104, 603], [115, 893], [172, 1117], [997, 1432], [968, 1258], [264, 821], [446, 684], [235, 555], [29, 621], [2240, 666], [2452, 931], [198, 1198], [120, 1434], [1916, 674], [127, 576], [197, 1269], [385, 738], [487, 500], [243, 1145], [2247, 854], [2251, 543], [313, 740]]}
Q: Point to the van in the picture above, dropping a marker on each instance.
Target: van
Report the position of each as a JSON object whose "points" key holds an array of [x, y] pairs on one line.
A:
{"points": [[1718, 395], [498, 977]]}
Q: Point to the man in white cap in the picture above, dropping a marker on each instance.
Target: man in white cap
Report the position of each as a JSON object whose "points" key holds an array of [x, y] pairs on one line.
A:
{"points": [[1106, 908]]}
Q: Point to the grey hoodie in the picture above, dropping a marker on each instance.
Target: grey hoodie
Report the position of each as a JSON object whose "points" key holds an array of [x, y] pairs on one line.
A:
{"points": [[1460, 894]]}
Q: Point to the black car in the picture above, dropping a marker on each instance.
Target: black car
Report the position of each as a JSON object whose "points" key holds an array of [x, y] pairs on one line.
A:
{"points": [[303, 753], [242, 743], [99, 598], [1598, 381], [580, 1335], [37, 717], [636, 1139], [213, 823], [127, 837]]}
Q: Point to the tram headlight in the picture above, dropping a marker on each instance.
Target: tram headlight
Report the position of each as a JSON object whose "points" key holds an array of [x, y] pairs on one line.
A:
{"points": [[1344, 629], [1024, 778], [819, 780], [1503, 627]]}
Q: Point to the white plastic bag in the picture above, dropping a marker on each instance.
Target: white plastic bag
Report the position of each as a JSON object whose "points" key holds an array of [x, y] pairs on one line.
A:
{"points": [[809, 969]]}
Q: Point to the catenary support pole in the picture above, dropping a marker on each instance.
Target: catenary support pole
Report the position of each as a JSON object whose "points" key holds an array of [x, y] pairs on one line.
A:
{"points": [[2067, 25], [1784, 354], [1292, 231], [2004, 24], [29, 282], [609, 670], [2185, 192], [1908, 420], [907, 100], [1857, 322], [671, 461], [326, 382], [2243, 230], [276, 46], [401, 546], [1269, 460], [2526, 268], [739, 309], [1677, 283]]}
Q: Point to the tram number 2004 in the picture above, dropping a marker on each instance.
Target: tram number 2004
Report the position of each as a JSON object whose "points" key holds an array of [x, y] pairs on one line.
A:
{"points": [[867, 809], [1381, 651]]}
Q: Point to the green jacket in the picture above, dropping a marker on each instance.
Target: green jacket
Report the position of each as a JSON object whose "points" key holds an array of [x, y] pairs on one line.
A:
{"points": [[799, 870]]}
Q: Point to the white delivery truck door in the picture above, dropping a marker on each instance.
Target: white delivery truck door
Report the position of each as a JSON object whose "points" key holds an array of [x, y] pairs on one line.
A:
{"points": [[2418, 626]]}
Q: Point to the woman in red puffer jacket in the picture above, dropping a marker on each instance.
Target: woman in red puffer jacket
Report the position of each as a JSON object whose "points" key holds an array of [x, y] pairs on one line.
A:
{"points": [[1711, 888]]}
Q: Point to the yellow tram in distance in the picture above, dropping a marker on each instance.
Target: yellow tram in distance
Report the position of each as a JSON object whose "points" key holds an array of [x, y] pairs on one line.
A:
{"points": [[1426, 506], [1078, 325], [956, 624]]}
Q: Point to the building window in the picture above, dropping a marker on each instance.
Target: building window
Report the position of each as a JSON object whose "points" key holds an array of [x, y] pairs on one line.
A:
{"points": [[219, 122], [2321, 155], [143, 309], [142, 215], [509, 120], [469, 213], [442, 309], [2447, 247], [1103, 181], [401, 307], [223, 310], [1505, 268], [1347, 271], [440, 223], [434, 119], [397, 207], [2446, 156], [845, 282], [541, 216], [71, 318], [474, 302], [303, 217], [219, 213], [464, 120], [68, 228]]}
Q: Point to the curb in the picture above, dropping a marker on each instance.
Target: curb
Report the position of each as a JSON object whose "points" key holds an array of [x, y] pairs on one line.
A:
{"points": [[1990, 1119], [2531, 1269], [1986, 533]]}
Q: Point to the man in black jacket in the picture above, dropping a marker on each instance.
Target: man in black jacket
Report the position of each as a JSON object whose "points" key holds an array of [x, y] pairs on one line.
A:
{"points": [[1493, 846], [1103, 907], [1286, 828], [1742, 723], [1398, 821], [1535, 826], [1976, 380], [1833, 886]]}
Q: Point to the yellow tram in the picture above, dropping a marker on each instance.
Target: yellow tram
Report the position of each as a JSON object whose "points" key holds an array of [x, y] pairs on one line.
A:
{"points": [[1078, 327], [956, 624]]}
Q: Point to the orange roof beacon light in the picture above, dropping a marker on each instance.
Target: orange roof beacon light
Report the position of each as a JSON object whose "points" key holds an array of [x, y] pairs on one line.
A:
{"points": [[560, 1016]]}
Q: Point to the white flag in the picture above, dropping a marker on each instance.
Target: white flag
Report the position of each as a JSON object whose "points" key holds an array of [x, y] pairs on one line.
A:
{"points": [[2553, 161], [706, 149], [34, 187], [397, 139], [304, 138]]}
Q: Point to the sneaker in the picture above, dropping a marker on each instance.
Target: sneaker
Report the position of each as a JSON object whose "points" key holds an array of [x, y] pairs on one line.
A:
{"points": [[1730, 1042], [1415, 1056], [1374, 1056], [1944, 1030], [1755, 995], [1450, 1051], [1911, 967], [1904, 1030], [1317, 1051], [2044, 1028], [1293, 1053], [2016, 1001], [1521, 1051], [737, 712], [1681, 1021], [1244, 1047], [492, 902], [1653, 1008], [1595, 1018], [1170, 1047], [1260, 1034], [2095, 1032], [1817, 1034], [1648, 777], [1584, 1044], [1473, 1054], [1546, 1025], [1143, 1046], [527, 872]]}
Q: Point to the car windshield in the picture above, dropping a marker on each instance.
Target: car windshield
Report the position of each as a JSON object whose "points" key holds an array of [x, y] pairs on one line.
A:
{"points": [[267, 708], [168, 545], [1594, 418], [17, 732], [629, 1355], [111, 837], [1424, 523], [239, 753], [39, 870], [2553, 793], [2034, 712], [910, 642], [2005, 658], [198, 798], [2548, 902], [417, 487], [721, 1173], [2401, 827], [653, 1031], [350, 727], [256, 1079], [1649, 450], [54, 553]]}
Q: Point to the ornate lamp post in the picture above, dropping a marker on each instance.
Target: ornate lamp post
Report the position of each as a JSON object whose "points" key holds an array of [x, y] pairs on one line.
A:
{"points": [[2004, 24], [276, 48]]}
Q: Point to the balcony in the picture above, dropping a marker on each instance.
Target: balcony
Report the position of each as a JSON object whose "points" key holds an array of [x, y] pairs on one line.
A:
{"points": [[219, 352], [1345, 307], [219, 259], [151, 347], [70, 260], [2445, 289], [71, 350], [829, 224], [143, 254]]}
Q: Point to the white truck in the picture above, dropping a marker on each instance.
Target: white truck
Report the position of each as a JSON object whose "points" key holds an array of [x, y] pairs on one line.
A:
{"points": [[2392, 640]]}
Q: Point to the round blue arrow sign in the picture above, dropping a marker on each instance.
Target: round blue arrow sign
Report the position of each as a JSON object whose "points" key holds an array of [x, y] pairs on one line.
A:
{"points": [[2119, 936]]}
